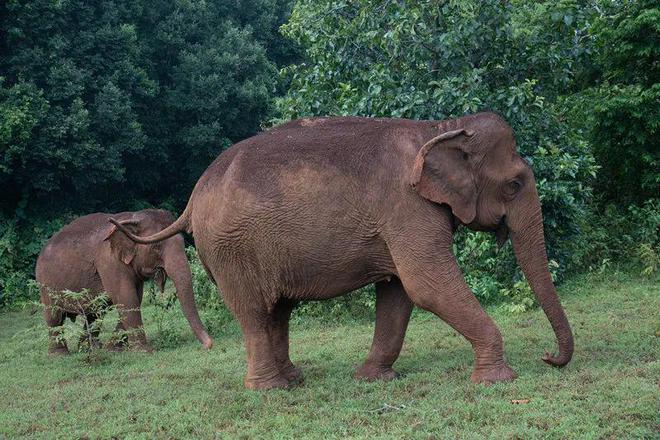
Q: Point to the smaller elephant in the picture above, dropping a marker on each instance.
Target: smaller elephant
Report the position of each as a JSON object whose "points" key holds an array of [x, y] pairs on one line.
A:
{"points": [[90, 255]]}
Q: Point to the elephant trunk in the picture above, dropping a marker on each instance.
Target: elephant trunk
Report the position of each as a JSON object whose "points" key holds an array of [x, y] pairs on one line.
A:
{"points": [[177, 268], [529, 247]]}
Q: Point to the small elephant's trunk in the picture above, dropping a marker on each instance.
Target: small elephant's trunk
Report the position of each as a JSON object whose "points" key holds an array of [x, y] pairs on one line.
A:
{"points": [[177, 268]]}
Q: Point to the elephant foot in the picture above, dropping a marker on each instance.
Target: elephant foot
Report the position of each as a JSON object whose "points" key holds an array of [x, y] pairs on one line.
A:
{"points": [[493, 375], [293, 374], [142, 347], [276, 382], [94, 344], [115, 346], [371, 372], [58, 351]]}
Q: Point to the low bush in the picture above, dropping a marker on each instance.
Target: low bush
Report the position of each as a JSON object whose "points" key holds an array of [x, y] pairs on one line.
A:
{"points": [[612, 235], [20, 244]]}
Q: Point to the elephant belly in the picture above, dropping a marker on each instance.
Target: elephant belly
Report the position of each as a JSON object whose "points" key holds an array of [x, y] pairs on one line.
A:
{"points": [[56, 278], [294, 259], [300, 232], [296, 276]]}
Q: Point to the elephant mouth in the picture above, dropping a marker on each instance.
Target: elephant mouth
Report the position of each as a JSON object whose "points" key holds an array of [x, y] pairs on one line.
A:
{"points": [[148, 273], [497, 227], [502, 232]]}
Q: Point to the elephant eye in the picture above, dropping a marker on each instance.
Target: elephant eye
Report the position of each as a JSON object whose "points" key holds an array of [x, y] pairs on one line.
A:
{"points": [[512, 187]]}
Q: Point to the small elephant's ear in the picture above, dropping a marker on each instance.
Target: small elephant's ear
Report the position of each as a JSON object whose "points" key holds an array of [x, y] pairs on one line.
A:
{"points": [[120, 244], [443, 174]]}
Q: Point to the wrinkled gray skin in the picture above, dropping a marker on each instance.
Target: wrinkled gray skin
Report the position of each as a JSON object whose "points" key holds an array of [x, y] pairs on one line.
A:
{"points": [[89, 253], [318, 207]]}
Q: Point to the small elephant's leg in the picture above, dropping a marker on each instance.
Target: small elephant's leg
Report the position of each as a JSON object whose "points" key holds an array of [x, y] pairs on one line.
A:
{"points": [[54, 320], [279, 338], [91, 332], [393, 309], [262, 370], [122, 289], [131, 320]]}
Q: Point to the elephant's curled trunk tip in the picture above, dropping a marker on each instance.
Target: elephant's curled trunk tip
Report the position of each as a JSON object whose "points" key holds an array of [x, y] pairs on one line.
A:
{"points": [[557, 360]]}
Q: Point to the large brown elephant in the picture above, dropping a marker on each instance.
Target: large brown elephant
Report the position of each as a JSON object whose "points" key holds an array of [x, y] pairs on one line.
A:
{"points": [[316, 208], [89, 255]]}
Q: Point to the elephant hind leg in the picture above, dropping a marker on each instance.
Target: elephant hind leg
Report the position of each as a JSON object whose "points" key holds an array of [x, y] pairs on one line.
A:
{"points": [[54, 318], [263, 370], [393, 309], [279, 339]]}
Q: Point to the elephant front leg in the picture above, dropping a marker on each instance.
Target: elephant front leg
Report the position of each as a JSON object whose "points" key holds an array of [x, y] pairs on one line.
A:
{"points": [[434, 282], [451, 300], [54, 320], [393, 309], [131, 321], [125, 294]]}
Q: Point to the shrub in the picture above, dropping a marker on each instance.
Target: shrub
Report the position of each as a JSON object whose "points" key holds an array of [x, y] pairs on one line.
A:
{"points": [[20, 244], [616, 235], [357, 305]]}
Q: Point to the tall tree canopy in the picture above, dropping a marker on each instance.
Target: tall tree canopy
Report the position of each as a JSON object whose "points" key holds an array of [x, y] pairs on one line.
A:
{"points": [[620, 104], [122, 104], [128, 98]]}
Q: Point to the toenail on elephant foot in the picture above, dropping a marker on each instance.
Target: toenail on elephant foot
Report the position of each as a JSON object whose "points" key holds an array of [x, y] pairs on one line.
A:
{"points": [[493, 375], [115, 346], [293, 375], [58, 351], [371, 373], [277, 382], [142, 348]]}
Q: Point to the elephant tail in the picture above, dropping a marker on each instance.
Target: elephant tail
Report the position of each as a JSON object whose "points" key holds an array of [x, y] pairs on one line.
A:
{"points": [[180, 225]]}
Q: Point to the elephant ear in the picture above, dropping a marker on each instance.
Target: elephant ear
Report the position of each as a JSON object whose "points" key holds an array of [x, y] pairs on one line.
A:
{"points": [[443, 174], [122, 246]]}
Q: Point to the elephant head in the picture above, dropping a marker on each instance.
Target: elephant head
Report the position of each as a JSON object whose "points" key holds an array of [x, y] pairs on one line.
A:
{"points": [[159, 261], [475, 170]]}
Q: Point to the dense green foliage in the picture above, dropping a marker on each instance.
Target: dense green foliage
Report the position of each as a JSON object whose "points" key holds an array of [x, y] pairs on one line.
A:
{"points": [[608, 391], [621, 103], [128, 97], [121, 105]]}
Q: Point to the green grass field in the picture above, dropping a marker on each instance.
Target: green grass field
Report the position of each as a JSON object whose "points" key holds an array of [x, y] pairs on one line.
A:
{"points": [[610, 390]]}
